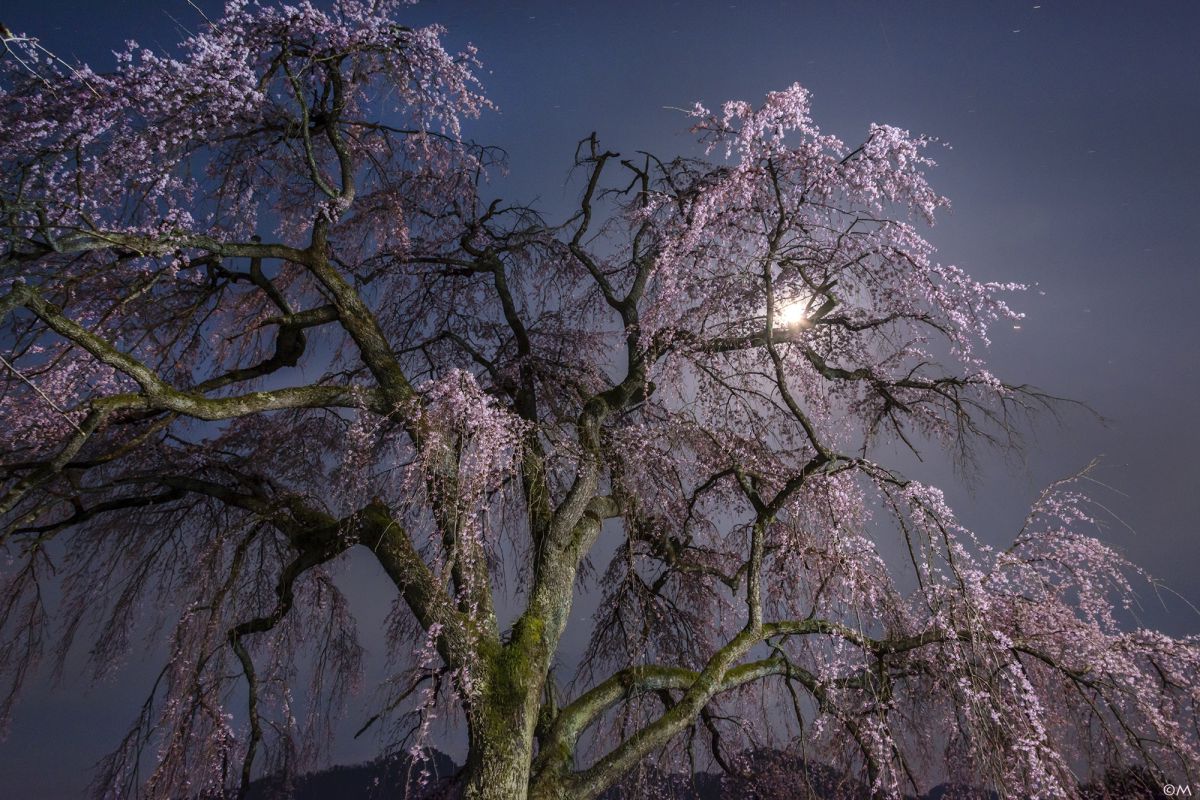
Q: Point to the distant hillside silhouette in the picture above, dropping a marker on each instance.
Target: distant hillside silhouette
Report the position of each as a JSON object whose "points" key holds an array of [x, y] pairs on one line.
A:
{"points": [[374, 780]]}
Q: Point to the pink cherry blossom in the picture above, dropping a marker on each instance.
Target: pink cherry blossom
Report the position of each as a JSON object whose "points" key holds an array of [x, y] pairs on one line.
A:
{"points": [[260, 314]]}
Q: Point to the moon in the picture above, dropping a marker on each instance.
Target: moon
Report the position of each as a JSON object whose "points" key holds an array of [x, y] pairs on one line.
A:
{"points": [[793, 313]]}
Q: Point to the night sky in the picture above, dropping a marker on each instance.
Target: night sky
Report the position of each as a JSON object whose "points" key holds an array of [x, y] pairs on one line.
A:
{"points": [[1074, 166]]}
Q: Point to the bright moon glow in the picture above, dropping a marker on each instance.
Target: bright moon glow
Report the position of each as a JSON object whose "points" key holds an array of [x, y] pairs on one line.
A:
{"points": [[793, 313]]}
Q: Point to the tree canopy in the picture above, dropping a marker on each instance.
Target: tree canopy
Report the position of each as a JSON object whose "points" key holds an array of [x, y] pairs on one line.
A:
{"points": [[259, 311]]}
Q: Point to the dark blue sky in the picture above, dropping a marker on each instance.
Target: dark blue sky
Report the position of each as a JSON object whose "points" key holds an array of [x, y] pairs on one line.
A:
{"points": [[1074, 166]]}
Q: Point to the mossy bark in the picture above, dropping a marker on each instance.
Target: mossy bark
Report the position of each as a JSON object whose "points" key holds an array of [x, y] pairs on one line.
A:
{"points": [[498, 765], [503, 719]]}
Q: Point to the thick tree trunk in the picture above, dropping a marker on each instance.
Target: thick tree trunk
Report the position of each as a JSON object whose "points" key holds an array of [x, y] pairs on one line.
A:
{"points": [[502, 722], [501, 753], [499, 770], [504, 774]]}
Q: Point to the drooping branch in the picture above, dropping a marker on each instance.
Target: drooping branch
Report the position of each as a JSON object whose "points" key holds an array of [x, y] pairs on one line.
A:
{"points": [[158, 394]]}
